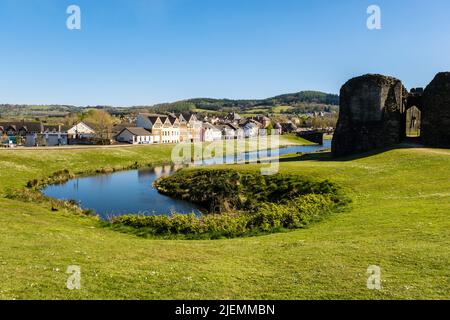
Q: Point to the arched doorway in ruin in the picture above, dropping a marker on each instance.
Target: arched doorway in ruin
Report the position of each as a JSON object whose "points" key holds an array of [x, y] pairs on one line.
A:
{"points": [[413, 122], [413, 114]]}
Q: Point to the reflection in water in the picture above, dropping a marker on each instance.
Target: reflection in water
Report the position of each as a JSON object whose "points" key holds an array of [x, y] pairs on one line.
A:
{"points": [[167, 170], [158, 171], [103, 180], [132, 192], [128, 192]]}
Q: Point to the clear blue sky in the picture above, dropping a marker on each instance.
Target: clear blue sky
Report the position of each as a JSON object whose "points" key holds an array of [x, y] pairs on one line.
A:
{"points": [[136, 52]]}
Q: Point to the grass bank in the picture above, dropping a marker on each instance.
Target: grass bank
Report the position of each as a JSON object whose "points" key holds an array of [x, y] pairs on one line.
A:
{"points": [[399, 220]]}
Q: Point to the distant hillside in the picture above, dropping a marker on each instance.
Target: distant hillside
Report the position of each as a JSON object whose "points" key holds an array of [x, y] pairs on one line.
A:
{"points": [[49, 112], [305, 100], [35, 111], [300, 102]]}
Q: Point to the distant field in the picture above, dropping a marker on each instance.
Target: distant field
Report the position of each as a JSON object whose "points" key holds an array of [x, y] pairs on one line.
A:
{"points": [[257, 110], [399, 220], [250, 112], [281, 109], [205, 111], [277, 109], [39, 108]]}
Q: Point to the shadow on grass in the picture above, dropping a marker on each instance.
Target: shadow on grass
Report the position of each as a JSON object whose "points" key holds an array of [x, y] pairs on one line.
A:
{"points": [[327, 156]]}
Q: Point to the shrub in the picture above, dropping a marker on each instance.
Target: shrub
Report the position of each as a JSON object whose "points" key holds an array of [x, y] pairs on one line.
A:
{"points": [[240, 204], [228, 190]]}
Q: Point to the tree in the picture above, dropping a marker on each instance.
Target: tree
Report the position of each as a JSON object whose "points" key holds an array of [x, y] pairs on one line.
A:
{"points": [[3, 137], [269, 129], [73, 118], [102, 122]]}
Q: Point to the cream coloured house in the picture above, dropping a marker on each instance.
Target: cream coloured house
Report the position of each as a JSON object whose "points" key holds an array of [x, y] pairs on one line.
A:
{"points": [[80, 131], [194, 129], [184, 133], [162, 126]]}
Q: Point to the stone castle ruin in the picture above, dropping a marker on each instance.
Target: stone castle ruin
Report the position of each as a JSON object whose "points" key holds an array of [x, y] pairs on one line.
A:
{"points": [[377, 111]]}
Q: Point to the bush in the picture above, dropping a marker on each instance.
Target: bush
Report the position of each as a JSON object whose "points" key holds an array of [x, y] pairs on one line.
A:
{"points": [[240, 204], [221, 191]]}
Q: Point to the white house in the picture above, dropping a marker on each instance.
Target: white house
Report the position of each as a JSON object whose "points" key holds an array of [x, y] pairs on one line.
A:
{"points": [[231, 131], [81, 131], [210, 133], [137, 136], [148, 121], [54, 135], [251, 130]]}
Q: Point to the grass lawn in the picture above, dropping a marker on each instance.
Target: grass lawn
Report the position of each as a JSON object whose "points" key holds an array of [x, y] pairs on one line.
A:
{"points": [[292, 139], [399, 220]]}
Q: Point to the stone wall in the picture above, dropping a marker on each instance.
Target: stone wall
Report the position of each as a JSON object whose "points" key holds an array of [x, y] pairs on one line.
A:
{"points": [[371, 115], [436, 112]]}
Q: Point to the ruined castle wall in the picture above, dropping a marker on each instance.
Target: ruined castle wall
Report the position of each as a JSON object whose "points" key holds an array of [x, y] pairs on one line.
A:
{"points": [[436, 112], [371, 116]]}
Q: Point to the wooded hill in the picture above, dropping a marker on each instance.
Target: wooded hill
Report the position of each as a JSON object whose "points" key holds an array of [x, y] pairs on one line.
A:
{"points": [[300, 102], [307, 100]]}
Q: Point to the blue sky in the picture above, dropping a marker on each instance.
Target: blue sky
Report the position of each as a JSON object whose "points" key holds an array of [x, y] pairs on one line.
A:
{"points": [[141, 52]]}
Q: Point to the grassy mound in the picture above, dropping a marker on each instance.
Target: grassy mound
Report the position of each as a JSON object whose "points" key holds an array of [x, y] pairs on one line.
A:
{"points": [[238, 204]]}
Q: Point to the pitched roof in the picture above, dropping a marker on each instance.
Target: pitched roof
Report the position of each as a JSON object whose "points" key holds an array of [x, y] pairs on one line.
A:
{"points": [[154, 117], [193, 118], [251, 125], [118, 128], [137, 131], [207, 125], [55, 128], [181, 118], [231, 126], [28, 126], [173, 118], [89, 124], [233, 116], [289, 126]]}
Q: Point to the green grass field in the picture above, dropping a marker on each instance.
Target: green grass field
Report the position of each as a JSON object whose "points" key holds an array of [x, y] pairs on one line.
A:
{"points": [[399, 220], [281, 109]]}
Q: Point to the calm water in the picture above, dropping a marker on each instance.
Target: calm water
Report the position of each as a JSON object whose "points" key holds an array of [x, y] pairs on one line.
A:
{"points": [[132, 192]]}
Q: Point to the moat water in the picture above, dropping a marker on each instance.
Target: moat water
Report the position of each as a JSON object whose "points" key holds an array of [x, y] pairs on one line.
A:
{"points": [[132, 191]]}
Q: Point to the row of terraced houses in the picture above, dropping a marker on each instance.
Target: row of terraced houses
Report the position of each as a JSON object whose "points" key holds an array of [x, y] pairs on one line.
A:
{"points": [[147, 129], [171, 128], [162, 129]]}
